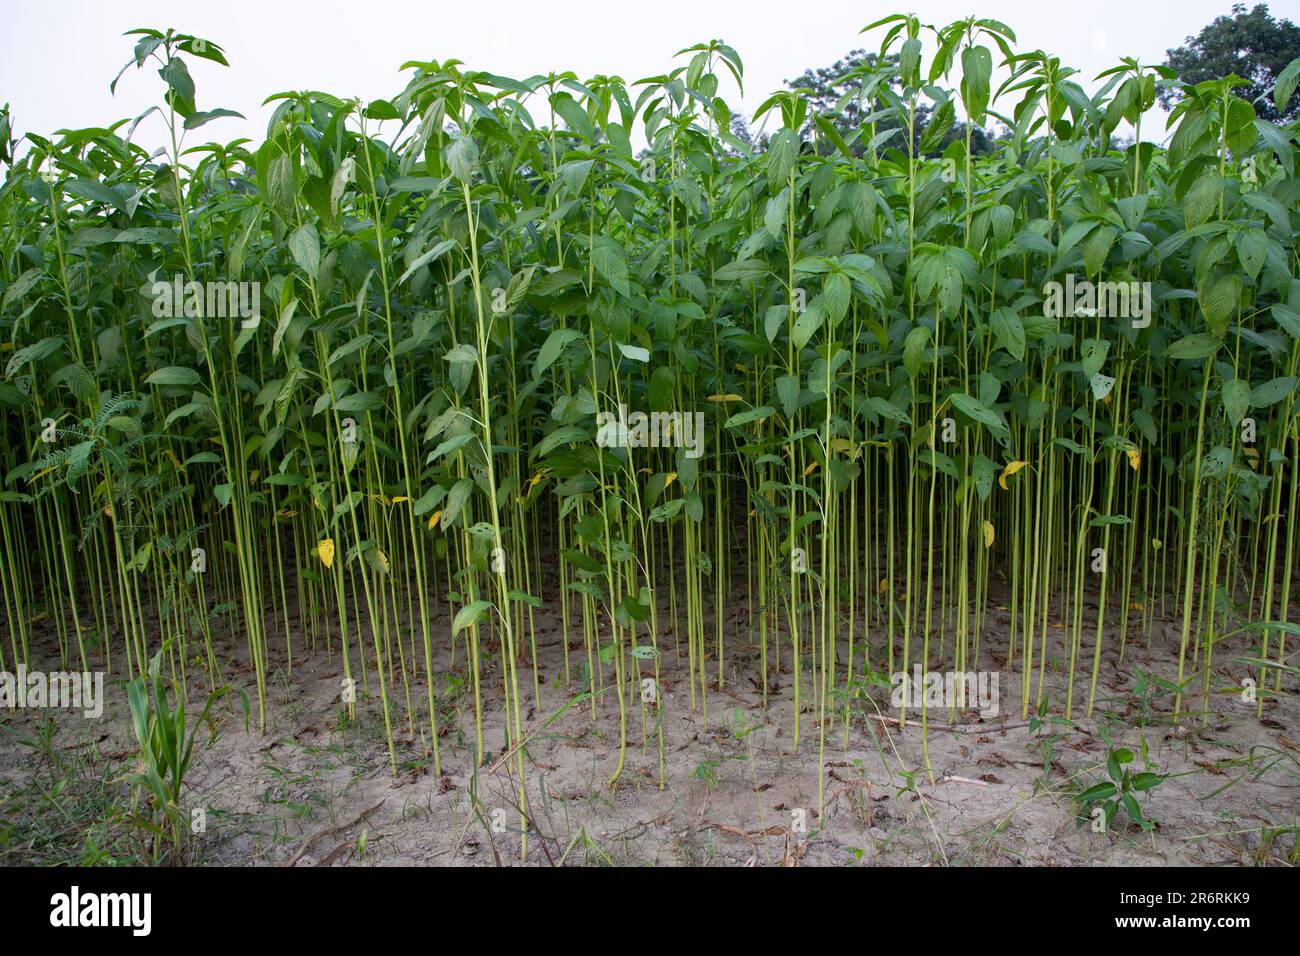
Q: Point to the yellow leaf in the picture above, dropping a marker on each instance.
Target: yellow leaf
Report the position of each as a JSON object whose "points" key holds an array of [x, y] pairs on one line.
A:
{"points": [[1134, 458], [325, 551], [810, 469], [400, 498], [729, 397], [884, 585], [433, 519], [988, 534], [742, 368], [1007, 472], [672, 476]]}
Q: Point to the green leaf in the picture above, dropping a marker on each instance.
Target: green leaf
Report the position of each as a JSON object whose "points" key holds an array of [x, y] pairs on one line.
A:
{"points": [[976, 68], [1101, 385], [886, 410], [782, 152], [98, 192], [983, 469], [304, 245], [1202, 200], [1218, 298], [1286, 84], [1288, 319], [280, 187], [774, 319], [450, 445], [178, 77], [32, 353], [1094, 352], [424, 259], [564, 435], [1273, 391], [174, 375], [1270, 206], [456, 499], [744, 270], [470, 614], [750, 415], [1131, 807], [552, 348], [1145, 780], [1097, 247], [774, 214], [1196, 346], [914, 349], [462, 157], [282, 326], [1236, 400], [345, 174], [20, 287], [972, 408], [1252, 248], [195, 120], [807, 324], [1033, 242], [1009, 332], [1101, 791], [609, 260]]}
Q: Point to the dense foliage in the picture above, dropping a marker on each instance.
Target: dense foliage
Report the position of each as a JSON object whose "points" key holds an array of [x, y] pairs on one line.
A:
{"points": [[912, 413]]}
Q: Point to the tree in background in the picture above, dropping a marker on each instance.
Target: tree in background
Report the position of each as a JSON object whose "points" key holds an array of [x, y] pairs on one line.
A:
{"points": [[1252, 45], [830, 91]]}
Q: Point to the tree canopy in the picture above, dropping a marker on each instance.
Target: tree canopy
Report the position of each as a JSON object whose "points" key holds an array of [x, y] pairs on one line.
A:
{"points": [[1253, 45]]}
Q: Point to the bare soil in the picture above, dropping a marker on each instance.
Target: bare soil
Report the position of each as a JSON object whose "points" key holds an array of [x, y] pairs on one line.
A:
{"points": [[316, 790]]}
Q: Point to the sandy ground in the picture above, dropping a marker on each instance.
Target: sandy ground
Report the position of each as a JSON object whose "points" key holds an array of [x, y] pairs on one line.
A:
{"points": [[316, 790]]}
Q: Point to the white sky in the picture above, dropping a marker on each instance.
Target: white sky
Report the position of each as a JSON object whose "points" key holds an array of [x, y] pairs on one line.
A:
{"points": [[57, 57]]}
